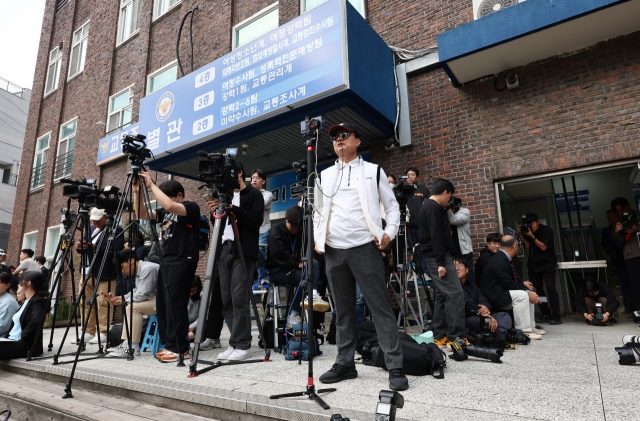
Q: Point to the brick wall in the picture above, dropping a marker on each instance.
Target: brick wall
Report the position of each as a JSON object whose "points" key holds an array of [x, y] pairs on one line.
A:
{"points": [[569, 111]]}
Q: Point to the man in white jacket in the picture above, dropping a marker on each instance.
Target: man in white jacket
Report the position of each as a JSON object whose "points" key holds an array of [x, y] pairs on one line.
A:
{"points": [[348, 229]]}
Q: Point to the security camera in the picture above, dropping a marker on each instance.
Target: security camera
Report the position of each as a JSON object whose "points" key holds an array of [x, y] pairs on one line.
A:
{"points": [[391, 143], [512, 81]]}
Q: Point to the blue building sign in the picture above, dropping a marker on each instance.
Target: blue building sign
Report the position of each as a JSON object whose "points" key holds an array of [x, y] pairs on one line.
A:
{"points": [[297, 63]]}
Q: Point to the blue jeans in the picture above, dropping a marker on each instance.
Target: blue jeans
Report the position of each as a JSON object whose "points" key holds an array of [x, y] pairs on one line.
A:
{"points": [[263, 273]]}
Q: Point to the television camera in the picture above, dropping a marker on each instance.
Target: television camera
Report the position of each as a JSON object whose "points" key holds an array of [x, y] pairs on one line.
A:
{"points": [[220, 174]]}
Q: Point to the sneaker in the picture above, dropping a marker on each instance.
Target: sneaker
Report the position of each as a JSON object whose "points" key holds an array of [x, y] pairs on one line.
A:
{"points": [[318, 303], [171, 357], [538, 331], [337, 373], [293, 320], [122, 351], [87, 338], [533, 336], [556, 321], [442, 342], [103, 339], [264, 284], [239, 355], [397, 380], [210, 344], [225, 354], [160, 353], [612, 321]]}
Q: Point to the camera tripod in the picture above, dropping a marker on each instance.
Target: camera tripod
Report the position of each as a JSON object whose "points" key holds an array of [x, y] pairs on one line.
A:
{"points": [[222, 214], [402, 275], [63, 260], [307, 279]]}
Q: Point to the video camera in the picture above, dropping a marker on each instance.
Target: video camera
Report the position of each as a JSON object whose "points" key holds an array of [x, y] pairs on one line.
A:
{"points": [[526, 225], [219, 172], [310, 126], [107, 198], [136, 148], [72, 189], [403, 191], [454, 203]]}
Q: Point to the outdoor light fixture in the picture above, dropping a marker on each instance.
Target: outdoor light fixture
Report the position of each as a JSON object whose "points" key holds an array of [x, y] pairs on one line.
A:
{"points": [[244, 148]]}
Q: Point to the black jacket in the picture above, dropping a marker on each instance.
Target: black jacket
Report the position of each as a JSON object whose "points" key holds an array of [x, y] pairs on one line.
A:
{"points": [[111, 267], [283, 250], [30, 322], [605, 292], [414, 203], [473, 296], [497, 281], [435, 236], [249, 216], [481, 263], [542, 261]]}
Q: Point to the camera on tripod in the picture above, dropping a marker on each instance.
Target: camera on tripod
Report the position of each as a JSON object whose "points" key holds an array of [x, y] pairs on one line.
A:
{"points": [[107, 198], [403, 191], [71, 189], [135, 147], [219, 172]]}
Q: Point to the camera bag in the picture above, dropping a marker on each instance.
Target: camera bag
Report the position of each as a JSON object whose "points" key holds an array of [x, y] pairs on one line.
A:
{"points": [[418, 359]]}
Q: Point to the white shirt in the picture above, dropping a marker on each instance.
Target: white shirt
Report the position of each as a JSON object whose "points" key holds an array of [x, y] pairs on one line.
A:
{"points": [[347, 226], [228, 230]]}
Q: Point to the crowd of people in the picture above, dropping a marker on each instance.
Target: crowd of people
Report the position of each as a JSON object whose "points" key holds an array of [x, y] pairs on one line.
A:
{"points": [[355, 222]]}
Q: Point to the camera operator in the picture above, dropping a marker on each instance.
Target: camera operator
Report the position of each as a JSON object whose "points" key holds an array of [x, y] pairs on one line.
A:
{"points": [[460, 218], [538, 239], [180, 221], [505, 290], [616, 256], [476, 304], [247, 206], [626, 235], [492, 247], [596, 292], [107, 280], [142, 298], [436, 244], [348, 228]]}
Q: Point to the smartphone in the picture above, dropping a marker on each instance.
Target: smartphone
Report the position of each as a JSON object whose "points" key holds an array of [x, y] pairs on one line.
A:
{"points": [[207, 197]]}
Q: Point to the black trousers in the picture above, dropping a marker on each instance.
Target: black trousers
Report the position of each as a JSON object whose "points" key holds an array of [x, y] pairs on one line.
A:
{"points": [[540, 281], [215, 318], [469, 258], [633, 274], [179, 277]]}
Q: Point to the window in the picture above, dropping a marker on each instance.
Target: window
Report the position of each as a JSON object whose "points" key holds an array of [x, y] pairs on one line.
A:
{"points": [[79, 50], [120, 109], [60, 4], [55, 59], [256, 26], [64, 158], [163, 6], [51, 243], [310, 4], [40, 161], [29, 240], [129, 21], [162, 77]]}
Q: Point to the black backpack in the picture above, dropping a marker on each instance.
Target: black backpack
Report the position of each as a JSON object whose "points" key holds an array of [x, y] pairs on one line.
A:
{"points": [[418, 359]]}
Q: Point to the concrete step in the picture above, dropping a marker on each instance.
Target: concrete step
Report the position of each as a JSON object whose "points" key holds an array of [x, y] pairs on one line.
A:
{"points": [[31, 399]]}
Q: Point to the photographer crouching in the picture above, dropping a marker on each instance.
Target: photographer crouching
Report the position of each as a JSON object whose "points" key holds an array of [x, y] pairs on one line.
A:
{"points": [[597, 303], [542, 262]]}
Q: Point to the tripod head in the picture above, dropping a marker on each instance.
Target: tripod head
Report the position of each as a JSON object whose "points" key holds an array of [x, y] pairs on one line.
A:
{"points": [[136, 148]]}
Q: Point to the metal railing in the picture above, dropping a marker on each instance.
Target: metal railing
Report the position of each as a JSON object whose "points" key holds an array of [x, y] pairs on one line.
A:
{"points": [[12, 88], [11, 179], [63, 166], [38, 175]]}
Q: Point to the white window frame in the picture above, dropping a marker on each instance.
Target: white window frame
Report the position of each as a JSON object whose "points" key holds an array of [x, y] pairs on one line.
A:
{"points": [[56, 62], [157, 4], [35, 160], [126, 11], [24, 240], [303, 9], [60, 141], [159, 71], [120, 111], [82, 45], [55, 240], [247, 22]]}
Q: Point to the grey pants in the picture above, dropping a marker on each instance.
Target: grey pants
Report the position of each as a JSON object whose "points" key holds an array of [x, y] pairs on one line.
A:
{"points": [[364, 265], [235, 292], [448, 314]]}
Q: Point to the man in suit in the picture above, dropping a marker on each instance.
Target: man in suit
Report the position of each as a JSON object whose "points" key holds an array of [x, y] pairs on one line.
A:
{"points": [[505, 289]]}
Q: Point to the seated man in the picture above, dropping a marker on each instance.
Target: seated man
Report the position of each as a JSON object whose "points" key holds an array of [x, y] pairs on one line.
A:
{"points": [[284, 264], [492, 247], [505, 290], [476, 304], [142, 296], [8, 304], [596, 292]]}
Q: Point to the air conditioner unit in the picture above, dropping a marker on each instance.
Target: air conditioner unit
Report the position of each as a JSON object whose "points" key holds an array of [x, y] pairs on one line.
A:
{"points": [[482, 8]]}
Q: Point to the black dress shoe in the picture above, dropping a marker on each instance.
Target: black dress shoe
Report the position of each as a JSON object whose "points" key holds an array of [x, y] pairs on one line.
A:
{"points": [[338, 373], [543, 319], [397, 380], [556, 321]]}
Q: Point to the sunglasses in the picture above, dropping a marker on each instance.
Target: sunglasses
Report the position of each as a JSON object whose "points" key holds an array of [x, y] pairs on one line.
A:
{"points": [[344, 135]]}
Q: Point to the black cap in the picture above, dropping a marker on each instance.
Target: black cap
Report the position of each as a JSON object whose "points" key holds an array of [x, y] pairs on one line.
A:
{"points": [[344, 126]]}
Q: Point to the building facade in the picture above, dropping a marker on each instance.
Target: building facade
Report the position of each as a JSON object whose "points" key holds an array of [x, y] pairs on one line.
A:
{"points": [[573, 110], [14, 105]]}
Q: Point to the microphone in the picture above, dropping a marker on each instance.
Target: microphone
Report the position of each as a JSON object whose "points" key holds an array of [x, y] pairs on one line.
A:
{"points": [[203, 154], [86, 189]]}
